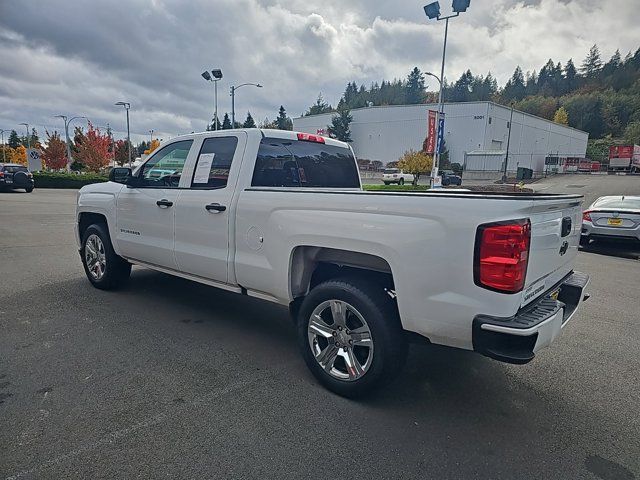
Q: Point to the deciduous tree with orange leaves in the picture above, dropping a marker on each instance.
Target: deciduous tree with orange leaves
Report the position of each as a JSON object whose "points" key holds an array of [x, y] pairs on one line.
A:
{"points": [[54, 155], [94, 152]]}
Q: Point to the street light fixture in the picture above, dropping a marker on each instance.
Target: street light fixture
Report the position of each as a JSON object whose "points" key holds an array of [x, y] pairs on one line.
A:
{"points": [[233, 100], [66, 134], [432, 11], [127, 106], [28, 138], [215, 76]]}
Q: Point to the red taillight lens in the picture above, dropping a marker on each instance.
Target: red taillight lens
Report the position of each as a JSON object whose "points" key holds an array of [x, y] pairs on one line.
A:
{"points": [[308, 137], [502, 255], [586, 216]]}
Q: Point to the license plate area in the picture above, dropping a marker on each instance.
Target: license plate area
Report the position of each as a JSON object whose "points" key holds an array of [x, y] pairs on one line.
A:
{"points": [[614, 222]]}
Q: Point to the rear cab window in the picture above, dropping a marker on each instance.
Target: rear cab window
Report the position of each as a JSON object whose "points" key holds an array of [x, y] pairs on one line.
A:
{"points": [[294, 163]]}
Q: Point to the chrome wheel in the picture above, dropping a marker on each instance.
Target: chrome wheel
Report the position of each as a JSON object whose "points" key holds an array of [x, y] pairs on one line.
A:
{"points": [[340, 340], [95, 257]]}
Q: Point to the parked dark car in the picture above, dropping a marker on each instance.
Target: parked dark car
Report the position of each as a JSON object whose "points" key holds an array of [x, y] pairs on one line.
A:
{"points": [[450, 178], [13, 175]]}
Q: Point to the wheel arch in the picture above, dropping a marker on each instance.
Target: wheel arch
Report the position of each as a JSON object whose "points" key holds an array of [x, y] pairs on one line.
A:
{"points": [[311, 265]]}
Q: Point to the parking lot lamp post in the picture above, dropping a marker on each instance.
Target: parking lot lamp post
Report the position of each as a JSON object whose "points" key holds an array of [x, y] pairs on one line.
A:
{"points": [[28, 138], [433, 11], [127, 106], [67, 122], [506, 157], [4, 148], [215, 77], [233, 100], [150, 137]]}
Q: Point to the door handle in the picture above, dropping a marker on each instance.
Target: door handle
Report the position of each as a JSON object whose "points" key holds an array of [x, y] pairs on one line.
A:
{"points": [[215, 207], [164, 203]]}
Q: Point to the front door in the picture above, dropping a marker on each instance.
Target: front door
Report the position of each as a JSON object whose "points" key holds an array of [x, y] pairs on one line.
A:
{"points": [[203, 212], [146, 212]]}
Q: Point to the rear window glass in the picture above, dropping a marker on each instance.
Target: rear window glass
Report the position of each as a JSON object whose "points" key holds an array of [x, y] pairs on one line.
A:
{"points": [[292, 163], [14, 168], [391, 170], [628, 202]]}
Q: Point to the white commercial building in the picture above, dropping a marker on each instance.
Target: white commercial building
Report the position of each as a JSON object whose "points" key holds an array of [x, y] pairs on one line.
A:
{"points": [[475, 135]]}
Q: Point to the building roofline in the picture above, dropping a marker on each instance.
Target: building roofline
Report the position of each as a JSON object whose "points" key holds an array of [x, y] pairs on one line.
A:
{"points": [[477, 102]]}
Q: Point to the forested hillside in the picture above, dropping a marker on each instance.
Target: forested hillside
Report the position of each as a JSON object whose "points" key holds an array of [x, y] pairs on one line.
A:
{"points": [[602, 98]]}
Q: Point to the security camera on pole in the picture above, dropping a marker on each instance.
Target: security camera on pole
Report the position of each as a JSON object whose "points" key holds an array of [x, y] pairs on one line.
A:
{"points": [[433, 11]]}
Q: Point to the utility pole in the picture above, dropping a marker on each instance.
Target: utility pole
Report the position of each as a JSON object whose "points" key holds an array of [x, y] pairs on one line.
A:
{"points": [[66, 134], [127, 106], [506, 157], [4, 147], [233, 100], [28, 135]]}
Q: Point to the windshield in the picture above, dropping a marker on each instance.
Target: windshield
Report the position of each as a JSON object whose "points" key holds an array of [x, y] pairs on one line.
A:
{"points": [[631, 203]]}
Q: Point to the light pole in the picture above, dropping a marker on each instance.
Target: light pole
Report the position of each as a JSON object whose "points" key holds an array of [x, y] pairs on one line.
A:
{"points": [[506, 157], [433, 11], [127, 106], [150, 137], [233, 100], [4, 147], [28, 139], [66, 134], [215, 77]]}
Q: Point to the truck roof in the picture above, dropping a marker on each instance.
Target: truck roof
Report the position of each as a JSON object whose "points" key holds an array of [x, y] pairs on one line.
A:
{"points": [[266, 132]]}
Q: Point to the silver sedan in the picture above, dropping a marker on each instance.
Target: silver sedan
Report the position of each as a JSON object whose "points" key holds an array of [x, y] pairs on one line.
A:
{"points": [[616, 216]]}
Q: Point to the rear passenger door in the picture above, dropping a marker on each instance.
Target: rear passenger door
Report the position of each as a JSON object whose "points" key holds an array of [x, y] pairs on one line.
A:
{"points": [[204, 210]]}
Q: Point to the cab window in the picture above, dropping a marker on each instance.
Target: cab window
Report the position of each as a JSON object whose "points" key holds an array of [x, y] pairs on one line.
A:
{"points": [[214, 162], [165, 167]]}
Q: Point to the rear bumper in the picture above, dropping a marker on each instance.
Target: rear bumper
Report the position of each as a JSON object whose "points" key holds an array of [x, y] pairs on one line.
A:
{"points": [[592, 231], [516, 339]]}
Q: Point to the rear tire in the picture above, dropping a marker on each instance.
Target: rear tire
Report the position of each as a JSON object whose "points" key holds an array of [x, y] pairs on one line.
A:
{"points": [[353, 364], [28, 189], [103, 267], [387, 183]]}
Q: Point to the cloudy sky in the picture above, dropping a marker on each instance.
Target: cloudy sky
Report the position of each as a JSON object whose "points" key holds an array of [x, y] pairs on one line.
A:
{"points": [[80, 57]]}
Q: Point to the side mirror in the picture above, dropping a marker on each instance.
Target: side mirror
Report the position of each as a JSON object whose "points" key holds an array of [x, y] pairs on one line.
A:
{"points": [[120, 174]]}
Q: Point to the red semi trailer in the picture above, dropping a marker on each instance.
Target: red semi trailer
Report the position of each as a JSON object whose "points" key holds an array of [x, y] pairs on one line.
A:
{"points": [[624, 158]]}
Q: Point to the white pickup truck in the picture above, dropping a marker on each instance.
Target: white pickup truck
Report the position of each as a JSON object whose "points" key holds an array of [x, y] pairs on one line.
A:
{"points": [[282, 216]]}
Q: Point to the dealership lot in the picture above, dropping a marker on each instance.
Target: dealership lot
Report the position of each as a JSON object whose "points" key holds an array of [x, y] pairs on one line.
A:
{"points": [[175, 379]]}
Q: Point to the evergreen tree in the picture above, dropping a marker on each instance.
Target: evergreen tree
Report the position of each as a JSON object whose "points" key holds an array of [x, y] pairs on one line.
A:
{"points": [[515, 88], [592, 63], [340, 122], [249, 122], [319, 107], [531, 84], [570, 77], [415, 87], [283, 122], [212, 126], [14, 139], [226, 122], [462, 88], [34, 139]]}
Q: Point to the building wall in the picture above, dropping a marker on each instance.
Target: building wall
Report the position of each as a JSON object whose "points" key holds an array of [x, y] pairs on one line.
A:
{"points": [[385, 133]]}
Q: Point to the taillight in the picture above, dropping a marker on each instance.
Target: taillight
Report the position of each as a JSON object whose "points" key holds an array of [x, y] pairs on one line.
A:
{"points": [[586, 216], [308, 137], [502, 255]]}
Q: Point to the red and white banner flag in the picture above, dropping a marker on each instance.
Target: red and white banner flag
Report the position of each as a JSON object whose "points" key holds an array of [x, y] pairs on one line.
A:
{"points": [[431, 132]]}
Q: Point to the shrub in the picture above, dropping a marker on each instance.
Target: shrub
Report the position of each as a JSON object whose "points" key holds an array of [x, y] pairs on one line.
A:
{"points": [[65, 180]]}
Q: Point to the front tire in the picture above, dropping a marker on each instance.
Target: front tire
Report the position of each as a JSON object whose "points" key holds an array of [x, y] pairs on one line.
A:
{"points": [[28, 189], [350, 336], [103, 267]]}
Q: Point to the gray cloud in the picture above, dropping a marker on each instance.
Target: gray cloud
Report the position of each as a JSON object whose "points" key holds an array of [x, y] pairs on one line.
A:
{"points": [[79, 57]]}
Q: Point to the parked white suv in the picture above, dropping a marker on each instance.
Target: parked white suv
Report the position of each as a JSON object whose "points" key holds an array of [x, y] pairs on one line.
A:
{"points": [[395, 175], [281, 216]]}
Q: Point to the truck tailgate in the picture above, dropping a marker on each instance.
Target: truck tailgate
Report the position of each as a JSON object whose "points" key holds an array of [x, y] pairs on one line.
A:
{"points": [[555, 236]]}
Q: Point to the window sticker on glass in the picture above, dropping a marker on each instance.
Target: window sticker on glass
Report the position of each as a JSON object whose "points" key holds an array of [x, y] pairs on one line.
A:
{"points": [[203, 168]]}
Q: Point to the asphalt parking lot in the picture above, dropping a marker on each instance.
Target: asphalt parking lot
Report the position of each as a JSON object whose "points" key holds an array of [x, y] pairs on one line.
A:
{"points": [[174, 379]]}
